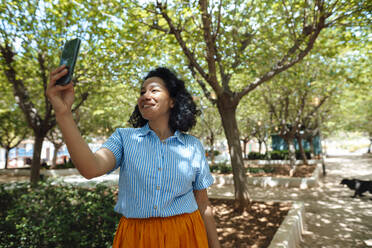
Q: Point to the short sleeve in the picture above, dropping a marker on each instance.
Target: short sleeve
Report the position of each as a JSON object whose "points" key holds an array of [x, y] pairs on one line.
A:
{"points": [[203, 178], [115, 144]]}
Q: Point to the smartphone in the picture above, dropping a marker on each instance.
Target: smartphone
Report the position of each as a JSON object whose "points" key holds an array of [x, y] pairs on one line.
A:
{"points": [[69, 55]]}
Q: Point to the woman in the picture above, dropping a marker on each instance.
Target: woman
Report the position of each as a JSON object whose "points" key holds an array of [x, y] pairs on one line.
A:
{"points": [[163, 172]]}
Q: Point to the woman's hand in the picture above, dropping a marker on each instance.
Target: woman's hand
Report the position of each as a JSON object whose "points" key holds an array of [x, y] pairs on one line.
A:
{"points": [[61, 97]]}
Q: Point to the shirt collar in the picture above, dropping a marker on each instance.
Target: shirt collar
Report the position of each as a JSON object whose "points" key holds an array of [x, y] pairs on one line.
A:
{"points": [[145, 130]]}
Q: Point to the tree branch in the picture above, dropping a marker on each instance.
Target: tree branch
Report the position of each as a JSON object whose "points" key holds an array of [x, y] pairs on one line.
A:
{"points": [[191, 57], [209, 41], [341, 17], [289, 14], [218, 22], [302, 107], [271, 106], [44, 77], [84, 97], [286, 106], [23, 98], [206, 92], [284, 64]]}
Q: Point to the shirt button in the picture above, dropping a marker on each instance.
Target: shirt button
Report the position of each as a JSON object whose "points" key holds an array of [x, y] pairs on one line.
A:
{"points": [[155, 207], [157, 187], [159, 168]]}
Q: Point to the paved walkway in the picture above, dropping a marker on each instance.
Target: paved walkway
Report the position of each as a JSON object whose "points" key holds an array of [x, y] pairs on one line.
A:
{"points": [[332, 218]]}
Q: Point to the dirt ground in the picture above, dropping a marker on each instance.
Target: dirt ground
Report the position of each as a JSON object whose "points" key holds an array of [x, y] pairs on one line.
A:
{"points": [[253, 228], [257, 226]]}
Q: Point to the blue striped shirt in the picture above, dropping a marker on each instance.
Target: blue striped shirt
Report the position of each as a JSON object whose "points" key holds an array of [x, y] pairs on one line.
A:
{"points": [[157, 178]]}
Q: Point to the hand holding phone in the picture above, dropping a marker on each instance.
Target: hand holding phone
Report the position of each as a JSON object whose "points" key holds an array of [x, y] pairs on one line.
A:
{"points": [[69, 56]]}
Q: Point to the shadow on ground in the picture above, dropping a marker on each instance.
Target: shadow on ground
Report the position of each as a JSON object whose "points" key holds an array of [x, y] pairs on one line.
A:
{"points": [[332, 217]]}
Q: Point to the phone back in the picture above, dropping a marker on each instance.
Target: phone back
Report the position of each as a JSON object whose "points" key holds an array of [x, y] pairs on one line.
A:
{"points": [[69, 55]]}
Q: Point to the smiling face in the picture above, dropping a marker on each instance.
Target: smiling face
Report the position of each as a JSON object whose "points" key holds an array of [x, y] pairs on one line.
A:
{"points": [[154, 102]]}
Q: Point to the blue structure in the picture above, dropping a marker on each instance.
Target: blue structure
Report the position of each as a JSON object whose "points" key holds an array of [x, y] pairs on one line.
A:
{"points": [[278, 144], [19, 152], [63, 152]]}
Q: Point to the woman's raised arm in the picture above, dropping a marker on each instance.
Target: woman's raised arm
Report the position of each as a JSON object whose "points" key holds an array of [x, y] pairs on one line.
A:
{"points": [[89, 164]]}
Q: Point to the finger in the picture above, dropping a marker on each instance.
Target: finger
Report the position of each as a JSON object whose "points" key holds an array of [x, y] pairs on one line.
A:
{"points": [[60, 68], [65, 87], [54, 78], [52, 90]]}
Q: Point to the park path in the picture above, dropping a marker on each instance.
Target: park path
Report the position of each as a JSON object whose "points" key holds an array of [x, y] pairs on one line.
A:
{"points": [[332, 218]]}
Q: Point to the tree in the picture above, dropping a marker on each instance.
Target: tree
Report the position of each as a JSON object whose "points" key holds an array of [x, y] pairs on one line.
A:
{"points": [[254, 121], [27, 54], [308, 131], [31, 35], [255, 127], [208, 127], [259, 39], [355, 111], [13, 130], [55, 137], [295, 99]]}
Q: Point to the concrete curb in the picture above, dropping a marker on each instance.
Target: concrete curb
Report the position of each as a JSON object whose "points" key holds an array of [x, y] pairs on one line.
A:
{"points": [[298, 182], [289, 234], [15, 172], [52, 173], [60, 172], [272, 162]]}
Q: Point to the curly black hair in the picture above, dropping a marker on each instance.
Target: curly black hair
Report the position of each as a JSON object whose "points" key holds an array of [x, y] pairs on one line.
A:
{"points": [[183, 114]]}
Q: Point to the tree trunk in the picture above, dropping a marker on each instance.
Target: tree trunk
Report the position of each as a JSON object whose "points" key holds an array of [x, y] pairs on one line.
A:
{"points": [[35, 166], [55, 153], [227, 111], [323, 153], [291, 152], [266, 148], [6, 157], [259, 146], [311, 144], [211, 140], [245, 142], [54, 160], [302, 151]]}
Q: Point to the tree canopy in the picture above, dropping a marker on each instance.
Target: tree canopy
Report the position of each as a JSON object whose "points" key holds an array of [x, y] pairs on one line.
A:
{"points": [[225, 50]]}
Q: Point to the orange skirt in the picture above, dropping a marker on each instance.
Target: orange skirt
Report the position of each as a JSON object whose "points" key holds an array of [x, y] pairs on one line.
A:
{"points": [[180, 231]]}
